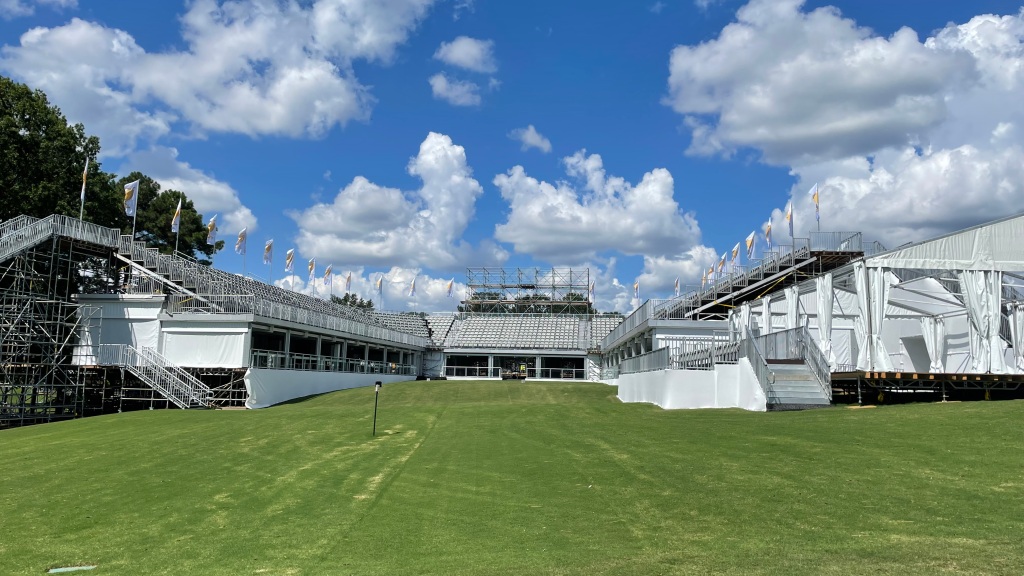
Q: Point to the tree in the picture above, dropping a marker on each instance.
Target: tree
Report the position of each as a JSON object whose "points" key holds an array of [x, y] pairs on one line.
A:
{"points": [[352, 300], [156, 211], [42, 160]]}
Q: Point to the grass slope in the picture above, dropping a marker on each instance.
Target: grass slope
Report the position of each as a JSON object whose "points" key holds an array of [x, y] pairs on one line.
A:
{"points": [[517, 478]]}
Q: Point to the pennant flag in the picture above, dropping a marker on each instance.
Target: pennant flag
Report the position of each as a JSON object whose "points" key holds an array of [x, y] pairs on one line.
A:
{"points": [[312, 269], [211, 230], [176, 221], [721, 264], [711, 273], [327, 275], [84, 174], [380, 284], [412, 287], [348, 282], [451, 288], [289, 261], [703, 279], [131, 198], [268, 252], [789, 217], [636, 289], [768, 235], [677, 286], [240, 243], [750, 245], [735, 254], [814, 196], [592, 293]]}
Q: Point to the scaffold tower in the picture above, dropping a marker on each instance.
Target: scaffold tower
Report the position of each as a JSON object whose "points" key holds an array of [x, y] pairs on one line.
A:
{"points": [[528, 291]]}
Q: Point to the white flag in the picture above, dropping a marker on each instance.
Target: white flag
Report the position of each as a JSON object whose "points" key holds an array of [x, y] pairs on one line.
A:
{"points": [[131, 198], [312, 269], [176, 221], [289, 261], [211, 231], [240, 243], [84, 174], [268, 252]]}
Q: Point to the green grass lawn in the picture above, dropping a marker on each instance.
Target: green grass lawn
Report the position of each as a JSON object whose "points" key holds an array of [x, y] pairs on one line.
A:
{"points": [[517, 478]]}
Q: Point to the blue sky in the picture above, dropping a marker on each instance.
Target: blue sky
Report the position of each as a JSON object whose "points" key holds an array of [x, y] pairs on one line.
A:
{"points": [[413, 138]]}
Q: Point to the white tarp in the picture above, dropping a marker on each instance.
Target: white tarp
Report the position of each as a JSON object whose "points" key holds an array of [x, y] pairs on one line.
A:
{"points": [[1017, 330], [872, 297], [792, 308], [268, 387], [117, 319], [766, 314], [823, 289], [993, 246], [982, 291], [727, 386], [934, 331], [744, 319]]}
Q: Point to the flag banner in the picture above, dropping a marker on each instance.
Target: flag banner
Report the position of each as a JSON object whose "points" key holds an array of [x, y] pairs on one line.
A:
{"points": [[176, 221], [735, 253], [312, 269], [711, 273], [348, 282], [789, 217], [289, 261], [592, 300], [240, 243], [703, 279], [131, 198], [412, 288], [85, 173], [451, 288], [327, 275], [814, 196], [380, 284], [750, 245], [268, 252], [768, 235], [677, 286], [721, 264], [211, 231], [636, 289]]}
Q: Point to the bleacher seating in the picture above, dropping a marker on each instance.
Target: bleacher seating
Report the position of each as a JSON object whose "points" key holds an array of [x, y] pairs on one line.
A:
{"points": [[601, 326], [408, 323], [440, 325], [556, 332]]}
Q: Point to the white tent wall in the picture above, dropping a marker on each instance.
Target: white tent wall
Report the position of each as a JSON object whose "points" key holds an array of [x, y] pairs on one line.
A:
{"points": [[119, 319], [727, 386], [268, 387], [206, 344]]}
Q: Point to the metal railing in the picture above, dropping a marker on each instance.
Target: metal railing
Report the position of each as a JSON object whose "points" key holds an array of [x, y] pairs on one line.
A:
{"points": [[23, 232], [797, 344], [765, 376], [653, 360], [277, 360], [170, 380]]}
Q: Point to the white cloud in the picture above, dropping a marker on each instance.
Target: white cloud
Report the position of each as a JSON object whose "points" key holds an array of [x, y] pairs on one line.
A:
{"points": [[209, 195], [657, 7], [249, 67], [431, 293], [455, 92], [660, 272], [530, 138], [808, 86], [468, 53], [16, 8], [557, 222], [368, 224]]}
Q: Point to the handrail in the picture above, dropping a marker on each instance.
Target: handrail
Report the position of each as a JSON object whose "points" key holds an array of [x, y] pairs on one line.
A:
{"points": [[817, 363], [765, 376]]}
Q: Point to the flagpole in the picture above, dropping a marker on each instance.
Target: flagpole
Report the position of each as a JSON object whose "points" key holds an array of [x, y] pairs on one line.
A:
{"points": [[176, 235], [81, 203]]}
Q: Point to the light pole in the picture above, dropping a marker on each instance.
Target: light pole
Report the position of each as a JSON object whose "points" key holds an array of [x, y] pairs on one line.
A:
{"points": [[376, 393]]}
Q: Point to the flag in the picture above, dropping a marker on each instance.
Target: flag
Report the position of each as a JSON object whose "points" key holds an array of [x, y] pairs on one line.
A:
{"points": [[131, 198], [328, 281], [711, 273], [750, 246], [84, 174], [289, 261], [240, 243], [312, 269], [735, 254], [814, 196], [268, 252], [721, 264], [768, 235], [592, 293], [211, 231], [451, 288], [348, 282], [636, 289], [703, 279], [789, 217], [380, 284], [412, 287], [176, 221], [677, 286]]}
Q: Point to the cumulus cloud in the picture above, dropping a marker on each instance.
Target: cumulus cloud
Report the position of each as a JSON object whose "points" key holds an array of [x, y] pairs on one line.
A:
{"points": [[559, 222], [799, 86], [209, 195], [368, 224], [530, 138], [907, 139], [16, 8], [468, 53], [242, 69], [431, 292], [455, 92]]}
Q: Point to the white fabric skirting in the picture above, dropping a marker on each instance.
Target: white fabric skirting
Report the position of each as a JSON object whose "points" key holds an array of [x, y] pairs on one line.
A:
{"points": [[727, 386], [268, 387]]}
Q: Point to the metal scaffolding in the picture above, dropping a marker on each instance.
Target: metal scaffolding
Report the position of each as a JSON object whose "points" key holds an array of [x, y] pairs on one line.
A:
{"points": [[528, 291]]}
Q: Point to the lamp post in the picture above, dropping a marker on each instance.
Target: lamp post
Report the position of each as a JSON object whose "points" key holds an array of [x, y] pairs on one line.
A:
{"points": [[376, 394]]}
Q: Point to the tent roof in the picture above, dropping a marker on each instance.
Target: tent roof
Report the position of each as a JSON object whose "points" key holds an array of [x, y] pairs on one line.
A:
{"points": [[996, 245]]}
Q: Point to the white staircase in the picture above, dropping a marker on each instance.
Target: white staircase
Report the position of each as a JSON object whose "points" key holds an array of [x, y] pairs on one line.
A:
{"points": [[181, 388], [795, 386]]}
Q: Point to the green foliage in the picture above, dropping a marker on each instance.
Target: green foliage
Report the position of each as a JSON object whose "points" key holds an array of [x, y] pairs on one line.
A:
{"points": [[42, 158], [352, 300], [155, 212], [517, 478]]}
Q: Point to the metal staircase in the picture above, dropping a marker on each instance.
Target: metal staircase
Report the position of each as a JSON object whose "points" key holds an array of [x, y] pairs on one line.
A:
{"points": [[799, 372], [178, 386]]}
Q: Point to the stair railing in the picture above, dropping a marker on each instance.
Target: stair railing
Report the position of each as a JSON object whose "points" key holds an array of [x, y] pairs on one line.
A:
{"points": [[765, 376]]}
